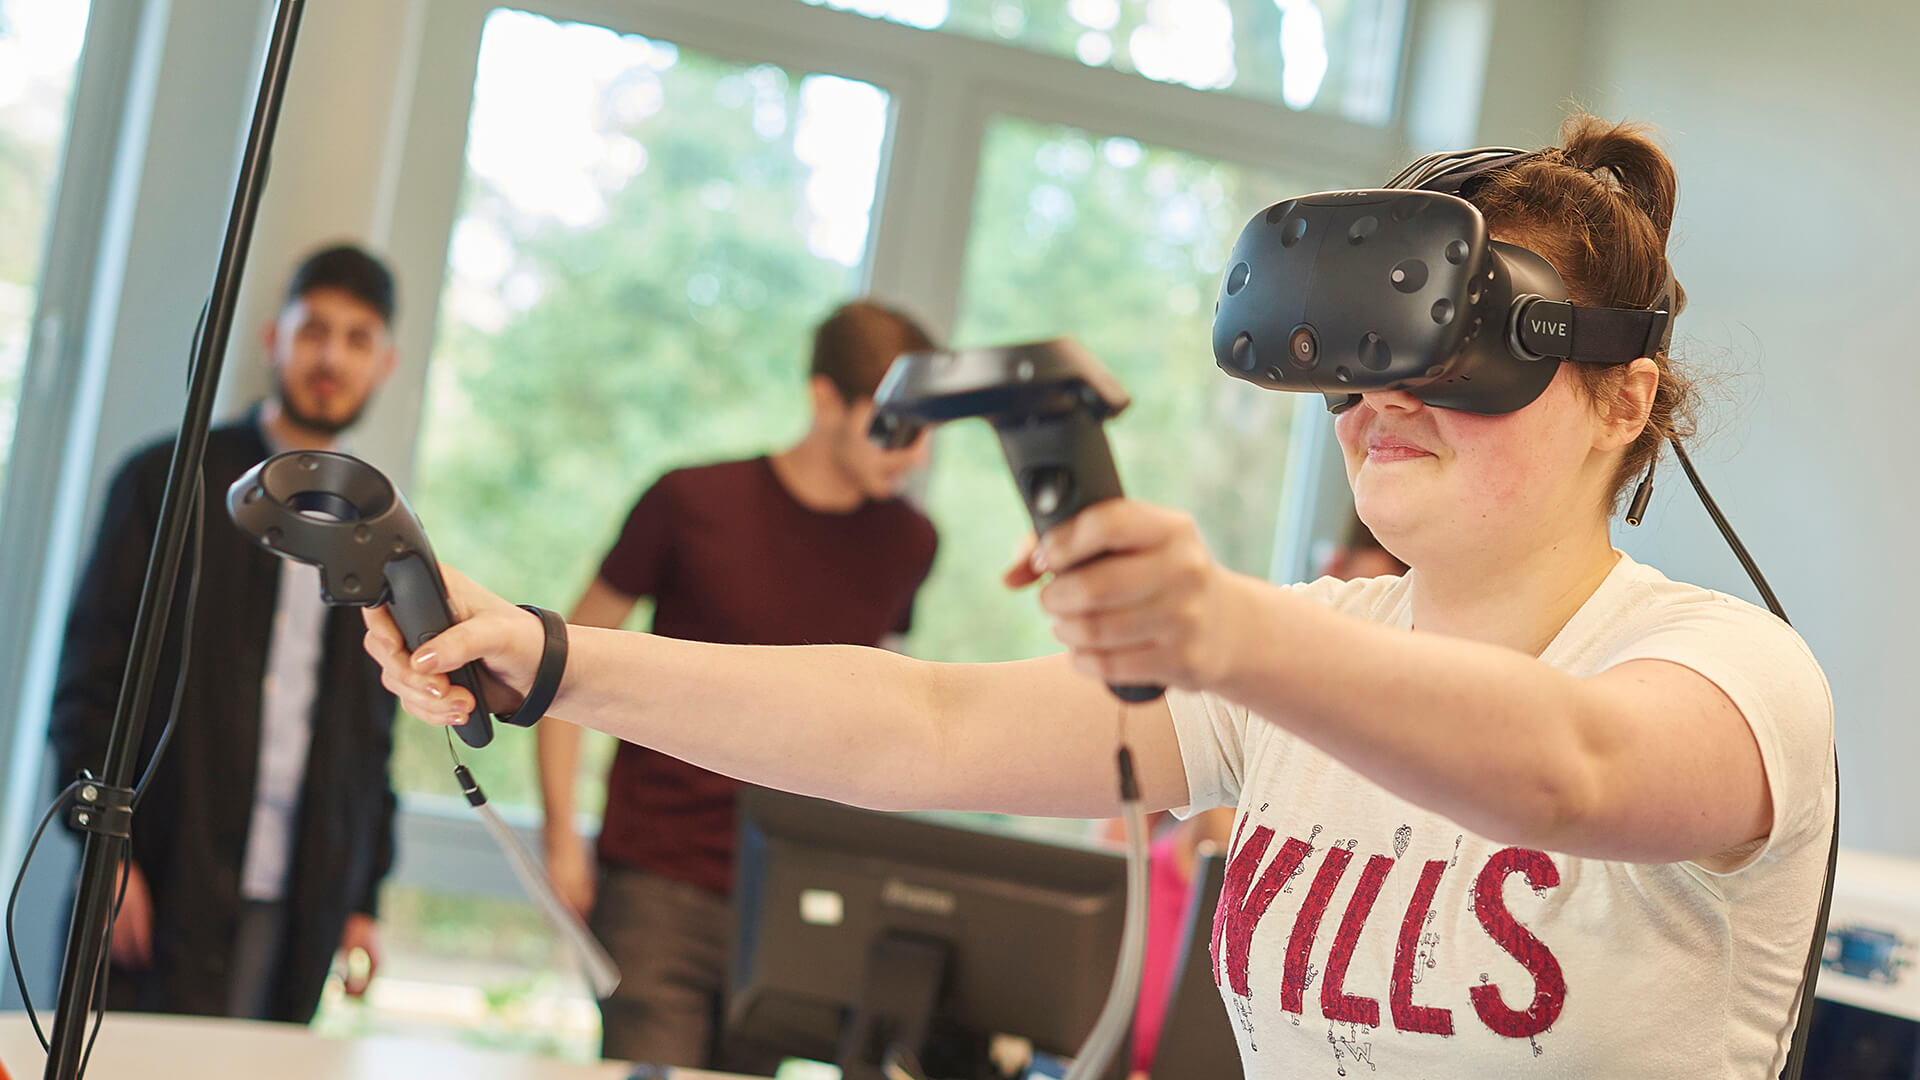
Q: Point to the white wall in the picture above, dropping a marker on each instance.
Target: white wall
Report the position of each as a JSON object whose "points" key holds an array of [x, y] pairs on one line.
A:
{"points": [[1792, 130]]}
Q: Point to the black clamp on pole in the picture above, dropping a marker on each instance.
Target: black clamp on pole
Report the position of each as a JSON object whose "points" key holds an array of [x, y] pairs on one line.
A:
{"points": [[102, 809]]}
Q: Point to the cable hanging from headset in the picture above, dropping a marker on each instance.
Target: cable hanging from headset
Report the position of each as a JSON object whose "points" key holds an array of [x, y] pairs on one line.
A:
{"points": [[1810, 973], [1726, 531]]}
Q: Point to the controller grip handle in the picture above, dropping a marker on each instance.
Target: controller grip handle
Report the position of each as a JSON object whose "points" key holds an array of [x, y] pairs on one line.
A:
{"points": [[1063, 464], [417, 599]]}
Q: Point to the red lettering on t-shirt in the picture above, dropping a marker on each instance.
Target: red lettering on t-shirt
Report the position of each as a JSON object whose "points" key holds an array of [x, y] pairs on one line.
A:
{"points": [[1426, 1019], [1243, 901], [1306, 925], [1335, 1002], [1549, 985]]}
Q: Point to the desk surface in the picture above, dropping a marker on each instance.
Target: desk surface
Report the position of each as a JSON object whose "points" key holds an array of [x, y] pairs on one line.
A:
{"points": [[168, 1047]]}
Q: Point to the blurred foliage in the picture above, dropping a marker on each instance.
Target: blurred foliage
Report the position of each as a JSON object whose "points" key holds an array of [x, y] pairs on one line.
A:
{"points": [[1359, 37], [1120, 246], [675, 331], [26, 180], [672, 333], [32, 133]]}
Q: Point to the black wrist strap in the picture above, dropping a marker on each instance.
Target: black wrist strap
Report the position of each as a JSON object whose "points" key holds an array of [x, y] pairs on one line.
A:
{"points": [[546, 680]]}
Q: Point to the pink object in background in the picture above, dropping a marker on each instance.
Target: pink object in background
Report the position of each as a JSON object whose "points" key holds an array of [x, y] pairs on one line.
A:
{"points": [[1167, 891]]}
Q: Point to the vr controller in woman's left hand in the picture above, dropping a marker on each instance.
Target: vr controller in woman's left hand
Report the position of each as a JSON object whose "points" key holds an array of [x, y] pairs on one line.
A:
{"points": [[506, 640], [1135, 596]]}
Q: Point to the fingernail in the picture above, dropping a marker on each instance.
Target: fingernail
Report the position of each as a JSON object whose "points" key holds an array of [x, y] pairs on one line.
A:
{"points": [[425, 659], [1039, 560], [435, 691], [458, 719]]}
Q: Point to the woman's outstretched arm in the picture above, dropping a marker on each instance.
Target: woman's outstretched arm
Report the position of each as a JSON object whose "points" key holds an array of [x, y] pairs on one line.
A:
{"points": [[857, 725]]}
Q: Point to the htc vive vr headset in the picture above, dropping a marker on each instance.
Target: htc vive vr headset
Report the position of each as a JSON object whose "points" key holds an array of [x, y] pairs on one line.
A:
{"points": [[1400, 288]]}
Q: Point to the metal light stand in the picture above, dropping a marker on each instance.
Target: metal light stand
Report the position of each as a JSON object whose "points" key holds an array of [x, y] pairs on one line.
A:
{"points": [[104, 810]]}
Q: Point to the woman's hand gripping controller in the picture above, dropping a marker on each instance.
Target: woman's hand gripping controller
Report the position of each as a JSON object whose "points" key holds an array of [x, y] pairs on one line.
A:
{"points": [[1046, 401], [342, 515], [421, 611], [480, 663], [1062, 465]]}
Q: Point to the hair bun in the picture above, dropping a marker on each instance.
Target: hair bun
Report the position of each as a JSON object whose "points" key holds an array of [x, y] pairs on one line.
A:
{"points": [[1622, 157]]}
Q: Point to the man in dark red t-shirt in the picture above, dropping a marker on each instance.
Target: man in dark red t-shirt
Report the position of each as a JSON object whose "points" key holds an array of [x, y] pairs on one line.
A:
{"points": [[808, 546]]}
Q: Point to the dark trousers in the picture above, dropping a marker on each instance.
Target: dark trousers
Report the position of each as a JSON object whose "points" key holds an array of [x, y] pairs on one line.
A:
{"points": [[258, 945], [259, 950], [669, 940]]}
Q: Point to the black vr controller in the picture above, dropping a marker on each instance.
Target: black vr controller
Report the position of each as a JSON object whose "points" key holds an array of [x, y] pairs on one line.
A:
{"points": [[1046, 401], [342, 515]]}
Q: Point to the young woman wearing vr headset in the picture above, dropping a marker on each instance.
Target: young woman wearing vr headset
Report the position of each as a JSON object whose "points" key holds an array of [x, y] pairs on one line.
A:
{"points": [[1531, 809]]}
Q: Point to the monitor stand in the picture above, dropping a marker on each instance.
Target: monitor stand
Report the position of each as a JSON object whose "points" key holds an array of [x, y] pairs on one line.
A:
{"points": [[899, 988]]}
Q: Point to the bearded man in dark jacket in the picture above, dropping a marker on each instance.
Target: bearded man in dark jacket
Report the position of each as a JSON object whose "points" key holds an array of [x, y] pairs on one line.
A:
{"points": [[260, 846]]}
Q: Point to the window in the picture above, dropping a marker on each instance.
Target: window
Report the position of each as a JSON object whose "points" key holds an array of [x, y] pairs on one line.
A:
{"points": [[39, 47], [1338, 56], [648, 235], [1119, 245]]}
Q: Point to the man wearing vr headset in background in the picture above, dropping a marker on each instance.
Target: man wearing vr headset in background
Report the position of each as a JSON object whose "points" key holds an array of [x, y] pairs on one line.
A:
{"points": [[269, 826], [809, 545], [1531, 809]]}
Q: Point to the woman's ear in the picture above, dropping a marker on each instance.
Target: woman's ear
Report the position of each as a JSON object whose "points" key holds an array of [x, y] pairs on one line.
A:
{"points": [[1626, 414]]}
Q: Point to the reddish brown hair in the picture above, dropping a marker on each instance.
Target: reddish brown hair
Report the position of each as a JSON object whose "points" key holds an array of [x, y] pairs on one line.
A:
{"points": [[1599, 207]]}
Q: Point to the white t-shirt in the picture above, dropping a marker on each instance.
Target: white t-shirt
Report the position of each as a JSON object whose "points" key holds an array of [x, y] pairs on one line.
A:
{"points": [[1360, 935]]}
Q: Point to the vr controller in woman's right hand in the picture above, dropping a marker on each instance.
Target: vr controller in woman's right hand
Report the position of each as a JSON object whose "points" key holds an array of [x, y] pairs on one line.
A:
{"points": [[504, 639]]}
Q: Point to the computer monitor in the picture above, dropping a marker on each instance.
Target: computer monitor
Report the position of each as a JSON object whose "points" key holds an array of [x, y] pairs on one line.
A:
{"points": [[858, 930], [1197, 1038]]}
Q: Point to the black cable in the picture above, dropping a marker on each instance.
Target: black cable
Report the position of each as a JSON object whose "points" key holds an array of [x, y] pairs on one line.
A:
{"points": [[1809, 977], [199, 528], [13, 952], [60, 800], [186, 642], [104, 974], [106, 960], [1726, 530], [13, 899]]}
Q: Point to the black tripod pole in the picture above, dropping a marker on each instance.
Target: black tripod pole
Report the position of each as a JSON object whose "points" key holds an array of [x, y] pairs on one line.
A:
{"points": [[103, 811]]}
